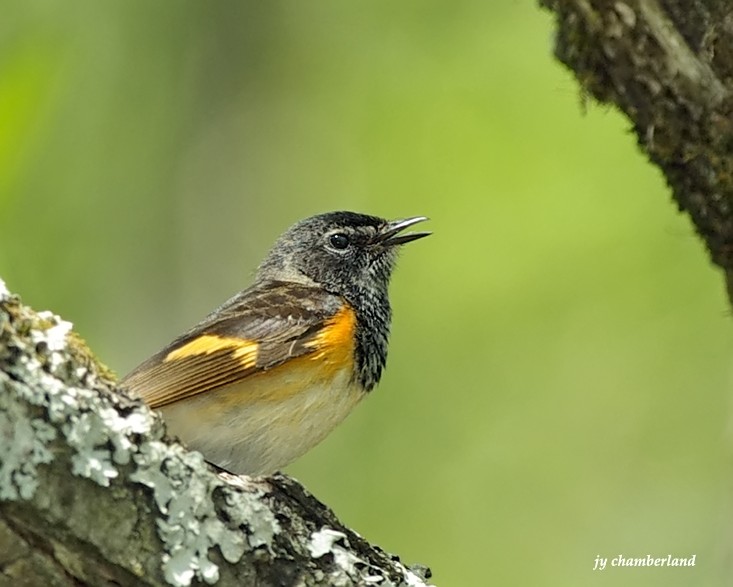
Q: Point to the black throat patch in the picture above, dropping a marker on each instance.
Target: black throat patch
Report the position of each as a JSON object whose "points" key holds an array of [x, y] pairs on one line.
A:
{"points": [[373, 317]]}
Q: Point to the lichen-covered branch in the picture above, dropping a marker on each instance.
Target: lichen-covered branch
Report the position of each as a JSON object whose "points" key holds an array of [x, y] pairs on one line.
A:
{"points": [[93, 493], [668, 64]]}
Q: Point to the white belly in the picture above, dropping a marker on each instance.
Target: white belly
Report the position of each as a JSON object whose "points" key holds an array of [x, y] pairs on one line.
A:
{"points": [[247, 430]]}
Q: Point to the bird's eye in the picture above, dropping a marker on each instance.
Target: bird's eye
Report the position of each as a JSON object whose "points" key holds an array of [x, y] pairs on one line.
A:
{"points": [[339, 241]]}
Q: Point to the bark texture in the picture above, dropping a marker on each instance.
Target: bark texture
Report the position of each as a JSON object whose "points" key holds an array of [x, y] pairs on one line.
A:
{"points": [[668, 64], [93, 493]]}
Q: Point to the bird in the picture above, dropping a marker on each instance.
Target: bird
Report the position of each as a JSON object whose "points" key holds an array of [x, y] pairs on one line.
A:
{"points": [[272, 371]]}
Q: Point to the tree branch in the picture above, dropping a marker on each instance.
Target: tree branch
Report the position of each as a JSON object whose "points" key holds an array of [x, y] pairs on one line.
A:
{"points": [[93, 493], [668, 64]]}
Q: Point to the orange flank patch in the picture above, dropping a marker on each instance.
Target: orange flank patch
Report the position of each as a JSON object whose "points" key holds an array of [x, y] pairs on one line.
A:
{"points": [[246, 350], [334, 344]]}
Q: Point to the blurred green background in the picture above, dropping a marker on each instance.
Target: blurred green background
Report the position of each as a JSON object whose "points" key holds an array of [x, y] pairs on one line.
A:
{"points": [[558, 374]]}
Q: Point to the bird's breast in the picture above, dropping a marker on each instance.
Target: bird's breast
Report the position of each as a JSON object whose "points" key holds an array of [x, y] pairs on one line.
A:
{"points": [[270, 418]]}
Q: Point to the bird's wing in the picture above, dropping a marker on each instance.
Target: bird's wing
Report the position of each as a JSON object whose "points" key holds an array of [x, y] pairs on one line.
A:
{"points": [[256, 330]]}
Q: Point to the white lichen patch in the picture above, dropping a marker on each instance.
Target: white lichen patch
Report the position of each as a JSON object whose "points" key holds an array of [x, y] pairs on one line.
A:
{"points": [[262, 526], [328, 541], [190, 526], [25, 443], [413, 580], [92, 459], [322, 541], [55, 335], [4, 293]]}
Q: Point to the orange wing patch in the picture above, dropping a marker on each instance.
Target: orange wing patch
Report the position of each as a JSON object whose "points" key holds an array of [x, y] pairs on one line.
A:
{"points": [[245, 350]]}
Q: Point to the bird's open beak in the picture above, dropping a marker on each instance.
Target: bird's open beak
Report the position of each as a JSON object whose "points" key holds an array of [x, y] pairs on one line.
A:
{"points": [[390, 235]]}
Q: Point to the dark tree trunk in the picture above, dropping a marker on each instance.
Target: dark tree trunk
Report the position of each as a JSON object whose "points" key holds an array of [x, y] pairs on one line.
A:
{"points": [[669, 66]]}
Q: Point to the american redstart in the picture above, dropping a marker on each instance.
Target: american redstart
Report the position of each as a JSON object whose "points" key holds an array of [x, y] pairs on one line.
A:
{"points": [[267, 375]]}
